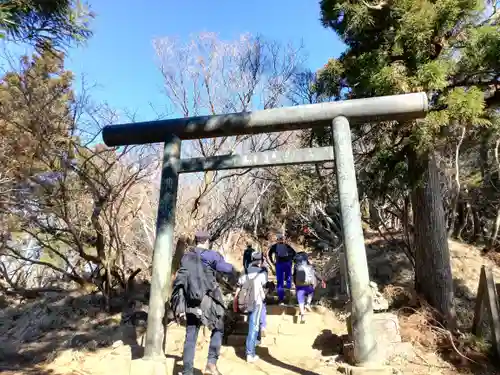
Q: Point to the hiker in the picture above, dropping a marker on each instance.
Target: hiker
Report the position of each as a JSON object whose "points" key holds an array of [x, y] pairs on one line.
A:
{"points": [[247, 261], [305, 279], [250, 299], [197, 299], [284, 256], [247, 256]]}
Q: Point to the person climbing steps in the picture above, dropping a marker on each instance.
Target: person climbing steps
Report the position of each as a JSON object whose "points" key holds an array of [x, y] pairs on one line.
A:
{"points": [[281, 255], [305, 278], [250, 299]]}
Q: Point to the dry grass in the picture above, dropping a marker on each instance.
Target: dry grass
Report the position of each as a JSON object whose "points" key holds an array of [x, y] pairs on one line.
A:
{"points": [[419, 324], [494, 257]]}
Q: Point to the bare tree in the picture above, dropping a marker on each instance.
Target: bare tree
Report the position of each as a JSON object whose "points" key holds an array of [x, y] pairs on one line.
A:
{"points": [[74, 208], [210, 76]]}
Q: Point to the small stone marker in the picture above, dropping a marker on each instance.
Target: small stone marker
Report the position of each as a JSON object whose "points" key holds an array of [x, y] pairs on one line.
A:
{"points": [[387, 335], [386, 328]]}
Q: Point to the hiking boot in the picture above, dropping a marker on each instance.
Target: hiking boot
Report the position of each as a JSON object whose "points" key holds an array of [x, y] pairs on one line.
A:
{"points": [[252, 358], [211, 369], [302, 319]]}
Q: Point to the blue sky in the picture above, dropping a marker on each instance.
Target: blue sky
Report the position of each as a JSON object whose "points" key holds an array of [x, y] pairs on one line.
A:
{"points": [[120, 58]]}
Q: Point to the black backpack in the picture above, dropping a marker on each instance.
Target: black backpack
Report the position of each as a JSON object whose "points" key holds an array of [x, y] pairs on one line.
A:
{"points": [[282, 250], [304, 274], [301, 257], [199, 283]]}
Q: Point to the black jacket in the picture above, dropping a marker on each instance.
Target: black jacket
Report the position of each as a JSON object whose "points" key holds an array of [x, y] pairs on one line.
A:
{"points": [[196, 291], [247, 257], [288, 258]]}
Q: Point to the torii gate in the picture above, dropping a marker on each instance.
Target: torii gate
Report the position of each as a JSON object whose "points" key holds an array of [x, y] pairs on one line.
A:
{"points": [[335, 114]]}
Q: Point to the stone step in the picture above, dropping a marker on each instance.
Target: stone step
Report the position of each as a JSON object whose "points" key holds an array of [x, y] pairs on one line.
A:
{"points": [[279, 330], [240, 328], [240, 341], [280, 319], [288, 309]]}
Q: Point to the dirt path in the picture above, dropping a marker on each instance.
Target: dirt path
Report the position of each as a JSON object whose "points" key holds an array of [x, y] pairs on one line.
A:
{"points": [[288, 348]]}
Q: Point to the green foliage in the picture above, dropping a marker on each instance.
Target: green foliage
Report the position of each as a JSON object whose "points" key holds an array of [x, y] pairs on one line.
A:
{"points": [[480, 52], [36, 121], [35, 114], [329, 79], [391, 80], [54, 22], [447, 48], [433, 75], [466, 105], [392, 182]]}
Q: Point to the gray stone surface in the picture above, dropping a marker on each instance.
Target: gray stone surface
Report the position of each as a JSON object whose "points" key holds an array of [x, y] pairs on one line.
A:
{"points": [[388, 338], [386, 328]]}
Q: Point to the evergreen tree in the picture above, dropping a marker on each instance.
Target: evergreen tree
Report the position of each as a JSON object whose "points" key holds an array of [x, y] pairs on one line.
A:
{"points": [[447, 48], [57, 23]]}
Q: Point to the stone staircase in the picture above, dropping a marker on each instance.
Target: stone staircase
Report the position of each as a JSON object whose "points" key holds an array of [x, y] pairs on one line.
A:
{"points": [[288, 347]]}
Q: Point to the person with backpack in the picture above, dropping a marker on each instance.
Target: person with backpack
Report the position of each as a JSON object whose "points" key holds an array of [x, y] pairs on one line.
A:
{"points": [[250, 299], [197, 300], [247, 261], [281, 255], [305, 279]]}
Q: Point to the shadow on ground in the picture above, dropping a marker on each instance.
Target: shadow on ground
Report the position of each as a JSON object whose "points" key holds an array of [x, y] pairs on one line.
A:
{"points": [[329, 343], [178, 367], [26, 371], [266, 356]]}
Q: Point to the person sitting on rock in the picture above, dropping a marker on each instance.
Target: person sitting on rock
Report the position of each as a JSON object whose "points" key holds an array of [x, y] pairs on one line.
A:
{"points": [[284, 254], [305, 279], [250, 299]]}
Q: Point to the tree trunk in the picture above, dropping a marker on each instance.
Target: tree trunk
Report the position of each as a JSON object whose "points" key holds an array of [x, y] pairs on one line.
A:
{"points": [[483, 156], [456, 194], [407, 226], [463, 219], [478, 226], [375, 218], [496, 227], [433, 276]]}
